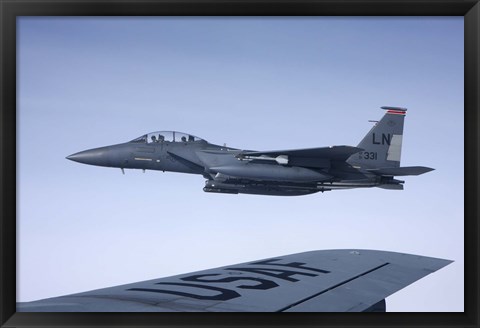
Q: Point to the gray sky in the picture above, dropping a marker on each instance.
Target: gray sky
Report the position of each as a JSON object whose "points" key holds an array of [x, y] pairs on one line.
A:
{"points": [[252, 83]]}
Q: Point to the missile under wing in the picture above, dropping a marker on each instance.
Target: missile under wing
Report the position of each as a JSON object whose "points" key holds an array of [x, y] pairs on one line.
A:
{"points": [[316, 281]]}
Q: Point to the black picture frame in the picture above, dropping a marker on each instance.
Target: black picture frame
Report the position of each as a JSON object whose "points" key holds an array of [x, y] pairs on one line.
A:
{"points": [[11, 9]]}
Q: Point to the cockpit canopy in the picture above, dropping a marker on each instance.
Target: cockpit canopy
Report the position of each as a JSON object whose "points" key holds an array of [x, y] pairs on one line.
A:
{"points": [[170, 136]]}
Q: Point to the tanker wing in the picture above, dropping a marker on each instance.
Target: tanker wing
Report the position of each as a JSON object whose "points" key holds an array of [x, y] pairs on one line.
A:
{"points": [[342, 280]]}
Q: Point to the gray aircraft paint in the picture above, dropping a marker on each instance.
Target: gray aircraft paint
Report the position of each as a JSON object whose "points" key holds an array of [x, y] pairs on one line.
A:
{"points": [[317, 281], [373, 163]]}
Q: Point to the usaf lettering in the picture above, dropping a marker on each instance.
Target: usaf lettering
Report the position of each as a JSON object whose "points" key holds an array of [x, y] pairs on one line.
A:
{"points": [[268, 268]]}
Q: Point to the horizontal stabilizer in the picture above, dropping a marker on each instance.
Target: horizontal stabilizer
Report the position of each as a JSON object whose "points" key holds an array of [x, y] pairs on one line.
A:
{"points": [[399, 171], [335, 153]]}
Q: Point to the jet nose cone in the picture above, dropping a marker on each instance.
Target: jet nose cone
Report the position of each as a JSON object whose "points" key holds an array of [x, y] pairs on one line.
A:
{"points": [[72, 157], [78, 157], [96, 156]]}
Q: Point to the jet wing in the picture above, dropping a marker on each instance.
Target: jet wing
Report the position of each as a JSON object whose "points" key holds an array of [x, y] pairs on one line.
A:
{"points": [[335, 153], [326, 281], [308, 157]]}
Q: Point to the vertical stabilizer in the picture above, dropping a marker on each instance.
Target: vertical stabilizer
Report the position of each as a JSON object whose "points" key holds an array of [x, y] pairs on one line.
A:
{"points": [[383, 143]]}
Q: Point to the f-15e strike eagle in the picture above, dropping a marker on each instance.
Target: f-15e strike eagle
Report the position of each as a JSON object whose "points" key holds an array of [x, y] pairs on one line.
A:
{"points": [[373, 163]]}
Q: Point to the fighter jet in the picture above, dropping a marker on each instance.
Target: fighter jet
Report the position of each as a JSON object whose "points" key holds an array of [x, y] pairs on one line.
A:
{"points": [[346, 280], [375, 162]]}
